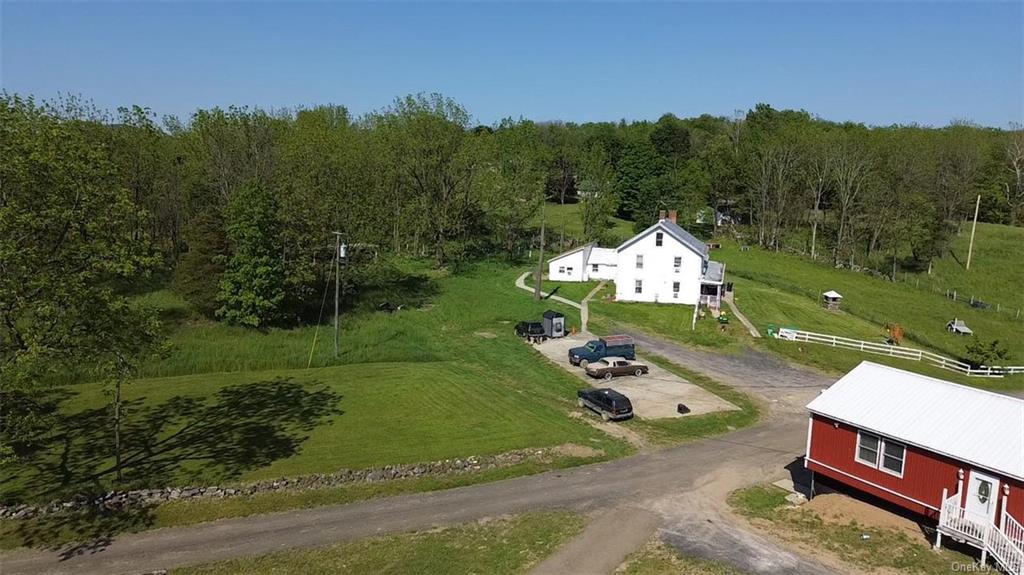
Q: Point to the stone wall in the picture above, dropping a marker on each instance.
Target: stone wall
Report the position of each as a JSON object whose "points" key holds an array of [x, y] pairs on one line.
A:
{"points": [[115, 500]]}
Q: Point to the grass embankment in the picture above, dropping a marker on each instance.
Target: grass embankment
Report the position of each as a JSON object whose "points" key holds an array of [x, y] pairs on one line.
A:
{"points": [[997, 268], [658, 558], [784, 289], [883, 548], [502, 547]]}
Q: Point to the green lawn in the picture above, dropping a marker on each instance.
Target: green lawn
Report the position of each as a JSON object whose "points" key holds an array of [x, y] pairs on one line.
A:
{"points": [[668, 320], [997, 267], [497, 547], [658, 558], [884, 548], [567, 219], [922, 314], [216, 428], [574, 291]]}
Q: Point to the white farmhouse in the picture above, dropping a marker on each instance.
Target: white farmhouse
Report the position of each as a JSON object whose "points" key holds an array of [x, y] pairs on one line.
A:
{"points": [[662, 264]]}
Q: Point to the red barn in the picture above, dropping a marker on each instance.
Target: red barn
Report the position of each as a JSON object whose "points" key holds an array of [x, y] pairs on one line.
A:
{"points": [[952, 453]]}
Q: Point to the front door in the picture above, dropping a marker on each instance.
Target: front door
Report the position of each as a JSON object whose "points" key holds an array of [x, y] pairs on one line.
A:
{"points": [[982, 492]]}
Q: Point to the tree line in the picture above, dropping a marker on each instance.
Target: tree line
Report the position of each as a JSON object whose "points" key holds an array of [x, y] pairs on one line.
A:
{"points": [[238, 206]]}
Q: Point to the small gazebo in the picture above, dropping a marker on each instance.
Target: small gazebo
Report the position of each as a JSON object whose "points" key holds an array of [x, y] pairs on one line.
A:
{"points": [[830, 300]]}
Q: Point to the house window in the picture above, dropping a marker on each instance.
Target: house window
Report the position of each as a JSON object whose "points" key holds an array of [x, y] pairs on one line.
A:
{"points": [[639, 287], [867, 448], [658, 237], [882, 454], [677, 263], [639, 261], [593, 268], [568, 270], [561, 269], [892, 457], [675, 289]]}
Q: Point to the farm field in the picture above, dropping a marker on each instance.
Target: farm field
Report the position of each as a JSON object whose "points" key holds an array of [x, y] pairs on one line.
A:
{"points": [[503, 547]]}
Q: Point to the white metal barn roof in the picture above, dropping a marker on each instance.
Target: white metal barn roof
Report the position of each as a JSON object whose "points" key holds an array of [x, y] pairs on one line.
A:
{"points": [[971, 425]]}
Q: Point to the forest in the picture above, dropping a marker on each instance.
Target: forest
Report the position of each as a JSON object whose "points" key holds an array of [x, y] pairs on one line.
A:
{"points": [[236, 208]]}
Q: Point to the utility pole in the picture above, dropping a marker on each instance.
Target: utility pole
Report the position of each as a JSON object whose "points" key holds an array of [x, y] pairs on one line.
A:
{"points": [[540, 258], [337, 276], [970, 249]]}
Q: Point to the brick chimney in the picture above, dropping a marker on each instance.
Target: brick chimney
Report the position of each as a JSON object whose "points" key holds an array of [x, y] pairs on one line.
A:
{"points": [[672, 216], [661, 215]]}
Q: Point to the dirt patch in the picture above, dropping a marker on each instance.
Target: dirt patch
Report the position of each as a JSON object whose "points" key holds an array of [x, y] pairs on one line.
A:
{"points": [[485, 334], [841, 509], [616, 430], [576, 450]]}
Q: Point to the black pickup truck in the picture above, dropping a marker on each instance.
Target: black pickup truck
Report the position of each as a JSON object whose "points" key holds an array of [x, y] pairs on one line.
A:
{"points": [[532, 331]]}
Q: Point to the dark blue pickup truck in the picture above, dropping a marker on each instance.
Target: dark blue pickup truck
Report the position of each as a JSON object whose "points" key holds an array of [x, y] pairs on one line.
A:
{"points": [[612, 345]]}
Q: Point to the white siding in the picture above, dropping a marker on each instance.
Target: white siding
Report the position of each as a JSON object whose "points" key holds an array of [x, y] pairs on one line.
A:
{"points": [[567, 268], [659, 273]]}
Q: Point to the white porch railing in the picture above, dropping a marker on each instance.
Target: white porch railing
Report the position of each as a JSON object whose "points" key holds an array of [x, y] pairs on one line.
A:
{"points": [[897, 351], [1005, 542]]}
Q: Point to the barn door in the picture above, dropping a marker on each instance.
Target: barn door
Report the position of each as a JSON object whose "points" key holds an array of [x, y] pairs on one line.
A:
{"points": [[981, 496]]}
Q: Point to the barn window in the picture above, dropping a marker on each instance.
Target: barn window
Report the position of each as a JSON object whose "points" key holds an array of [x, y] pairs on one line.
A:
{"points": [[568, 270], [867, 448], [639, 261], [639, 287], [658, 237], [892, 457]]}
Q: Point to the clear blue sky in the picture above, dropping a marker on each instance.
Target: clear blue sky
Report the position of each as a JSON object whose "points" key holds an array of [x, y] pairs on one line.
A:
{"points": [[878, 63]]}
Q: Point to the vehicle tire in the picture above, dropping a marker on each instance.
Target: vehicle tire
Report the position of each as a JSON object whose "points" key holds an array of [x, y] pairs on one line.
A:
{"points": [[608, 376], [584, 363], [579, 402], [638, 372], [605, 416]]}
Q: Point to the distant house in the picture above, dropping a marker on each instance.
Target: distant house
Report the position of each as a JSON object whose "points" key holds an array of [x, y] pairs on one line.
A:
{"points": [[663, 263], [952, 453]]}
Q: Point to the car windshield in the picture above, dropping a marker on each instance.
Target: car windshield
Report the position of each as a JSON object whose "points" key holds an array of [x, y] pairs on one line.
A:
{"points": [[592, 346]]}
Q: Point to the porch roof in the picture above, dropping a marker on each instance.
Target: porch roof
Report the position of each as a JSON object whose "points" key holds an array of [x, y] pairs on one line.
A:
{"points": [[977, 427], [714, 274]]}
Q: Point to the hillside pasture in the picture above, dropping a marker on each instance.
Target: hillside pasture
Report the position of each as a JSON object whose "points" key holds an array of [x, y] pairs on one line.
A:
{"points": [[922, 314]]}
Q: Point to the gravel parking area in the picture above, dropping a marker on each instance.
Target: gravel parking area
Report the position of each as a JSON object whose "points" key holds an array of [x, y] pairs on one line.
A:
{"points": [[654, 396]]}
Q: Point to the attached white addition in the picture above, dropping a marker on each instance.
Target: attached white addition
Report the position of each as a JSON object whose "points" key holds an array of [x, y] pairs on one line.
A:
{"points": [[662, 264]]}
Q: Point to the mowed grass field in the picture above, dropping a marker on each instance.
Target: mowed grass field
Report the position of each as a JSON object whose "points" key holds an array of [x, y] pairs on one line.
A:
{"points": [[442, 381]]}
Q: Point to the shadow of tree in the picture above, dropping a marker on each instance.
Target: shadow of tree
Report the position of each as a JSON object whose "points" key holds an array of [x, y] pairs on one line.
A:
{"points": [[185, 440]]}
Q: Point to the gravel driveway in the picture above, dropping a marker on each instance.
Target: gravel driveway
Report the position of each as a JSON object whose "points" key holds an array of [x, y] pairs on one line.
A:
{"points": [[654, 395]]}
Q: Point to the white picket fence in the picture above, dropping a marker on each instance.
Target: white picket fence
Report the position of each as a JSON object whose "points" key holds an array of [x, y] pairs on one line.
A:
{"points": [[897, 351]]}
